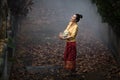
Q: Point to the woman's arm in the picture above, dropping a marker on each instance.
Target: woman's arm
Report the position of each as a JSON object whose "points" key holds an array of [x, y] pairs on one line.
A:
{"points": [[61, 36]]}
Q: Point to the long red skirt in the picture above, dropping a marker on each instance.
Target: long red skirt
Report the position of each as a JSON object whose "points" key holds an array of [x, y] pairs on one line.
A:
{"points": [[70, 55]]}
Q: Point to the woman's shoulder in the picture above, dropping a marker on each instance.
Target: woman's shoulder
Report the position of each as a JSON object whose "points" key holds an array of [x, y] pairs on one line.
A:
{"points": [[76, 25]]}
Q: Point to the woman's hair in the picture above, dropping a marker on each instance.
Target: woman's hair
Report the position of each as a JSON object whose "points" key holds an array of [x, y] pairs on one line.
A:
{"points": [[78, 16]]}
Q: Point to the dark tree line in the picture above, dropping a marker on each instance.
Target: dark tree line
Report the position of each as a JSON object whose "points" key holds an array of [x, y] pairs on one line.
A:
{"points": [[110, 11], [10, 13], [20, 7], [14, 8]]}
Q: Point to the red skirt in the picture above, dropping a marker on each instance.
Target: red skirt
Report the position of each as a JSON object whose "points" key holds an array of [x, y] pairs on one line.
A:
{"points": [[70, 51], [70, 55]]}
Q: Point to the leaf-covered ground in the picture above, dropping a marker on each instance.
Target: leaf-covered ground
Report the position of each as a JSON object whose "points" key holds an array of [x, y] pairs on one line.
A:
{"points": [[93, 59]]}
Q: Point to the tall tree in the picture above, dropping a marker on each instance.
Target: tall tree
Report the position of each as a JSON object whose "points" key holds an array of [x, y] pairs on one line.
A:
{"points": [[110, 11]]}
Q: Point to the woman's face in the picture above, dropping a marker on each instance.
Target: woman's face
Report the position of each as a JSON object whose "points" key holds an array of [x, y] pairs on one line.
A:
{"points": [[73, 18]]}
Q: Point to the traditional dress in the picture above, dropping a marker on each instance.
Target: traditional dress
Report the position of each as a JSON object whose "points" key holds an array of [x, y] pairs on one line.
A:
{"points": [[70, 49]]}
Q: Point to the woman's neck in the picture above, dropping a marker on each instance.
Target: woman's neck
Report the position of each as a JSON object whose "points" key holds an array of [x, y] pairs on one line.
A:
{"points": [[73, 22]]}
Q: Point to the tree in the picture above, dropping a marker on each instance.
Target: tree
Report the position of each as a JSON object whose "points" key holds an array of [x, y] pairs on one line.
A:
{"points": [[110, 11]]}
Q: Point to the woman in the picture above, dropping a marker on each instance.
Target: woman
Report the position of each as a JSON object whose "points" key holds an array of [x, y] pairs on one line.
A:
{"points": [[69, 35]]}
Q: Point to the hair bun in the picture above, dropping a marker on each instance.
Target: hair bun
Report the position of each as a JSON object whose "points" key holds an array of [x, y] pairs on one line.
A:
{"points": [[78, 17], [81, 16]]}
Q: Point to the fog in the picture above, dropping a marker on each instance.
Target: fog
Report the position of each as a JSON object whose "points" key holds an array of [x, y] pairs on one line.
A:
{"points": [[49, 17]]}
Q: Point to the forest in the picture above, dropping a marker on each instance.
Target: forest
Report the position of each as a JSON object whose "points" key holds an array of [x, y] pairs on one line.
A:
{"points": [[11, 14], [110, 12]]}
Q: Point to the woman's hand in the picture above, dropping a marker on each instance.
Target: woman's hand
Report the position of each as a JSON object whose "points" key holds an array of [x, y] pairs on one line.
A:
{"points": [[60, 36]]}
